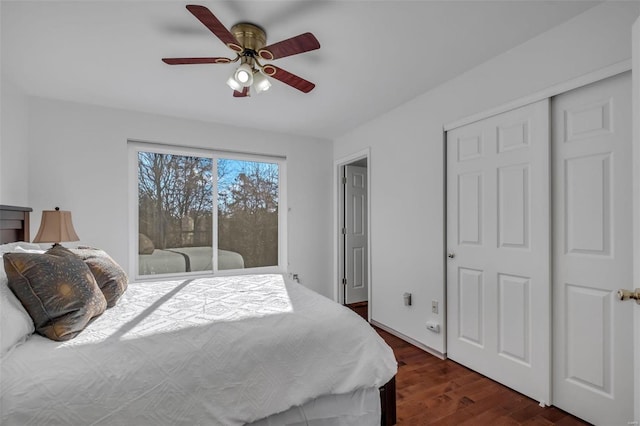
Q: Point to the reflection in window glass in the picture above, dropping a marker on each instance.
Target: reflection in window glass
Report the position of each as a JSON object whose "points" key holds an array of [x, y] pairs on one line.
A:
{"points": [[175, 204]]}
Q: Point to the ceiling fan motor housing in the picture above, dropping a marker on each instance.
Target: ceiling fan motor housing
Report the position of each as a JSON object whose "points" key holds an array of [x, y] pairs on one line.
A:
{"points": [[251, 37]]}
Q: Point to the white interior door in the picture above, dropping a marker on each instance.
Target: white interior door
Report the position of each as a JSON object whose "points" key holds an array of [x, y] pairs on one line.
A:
{"points": [[355, 264], [498, 277], [593, 251], [636, 203]]}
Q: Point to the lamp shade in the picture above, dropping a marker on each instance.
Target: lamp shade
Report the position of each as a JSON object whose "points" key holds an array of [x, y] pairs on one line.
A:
{"points": [[231, 82], [260, 82], [244, 75], [56, 227]]}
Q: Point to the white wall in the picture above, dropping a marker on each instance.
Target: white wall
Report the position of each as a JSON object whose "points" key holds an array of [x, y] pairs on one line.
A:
{"points": [[407, 157], [78, 160], [13, 145]]}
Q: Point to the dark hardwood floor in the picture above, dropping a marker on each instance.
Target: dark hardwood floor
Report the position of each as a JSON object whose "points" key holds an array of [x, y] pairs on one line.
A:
{"points": [[431, 391]]}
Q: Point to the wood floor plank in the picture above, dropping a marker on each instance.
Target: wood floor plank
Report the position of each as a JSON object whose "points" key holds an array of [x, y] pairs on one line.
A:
{"points": [[431, 391]]}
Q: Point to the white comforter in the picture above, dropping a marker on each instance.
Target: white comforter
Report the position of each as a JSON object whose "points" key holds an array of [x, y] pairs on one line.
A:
{"points": [[226, 350]]}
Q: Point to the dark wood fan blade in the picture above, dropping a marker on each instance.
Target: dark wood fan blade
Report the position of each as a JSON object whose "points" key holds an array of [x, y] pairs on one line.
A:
{"points": [[187, 61], [291, 46], [244, 93], [287, 78], [209, 20]]}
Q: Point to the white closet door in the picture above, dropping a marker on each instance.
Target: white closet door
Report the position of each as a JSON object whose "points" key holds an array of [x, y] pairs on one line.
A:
{"points": [[498, 278], [593, 249]]}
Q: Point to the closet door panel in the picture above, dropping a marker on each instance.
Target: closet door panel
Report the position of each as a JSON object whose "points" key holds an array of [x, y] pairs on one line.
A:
{"points": [[498, 301], [593, 249]]}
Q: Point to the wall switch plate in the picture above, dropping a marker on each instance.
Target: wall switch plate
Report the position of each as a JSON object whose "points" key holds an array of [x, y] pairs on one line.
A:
{"points": [[407, 299], [434, 306]]}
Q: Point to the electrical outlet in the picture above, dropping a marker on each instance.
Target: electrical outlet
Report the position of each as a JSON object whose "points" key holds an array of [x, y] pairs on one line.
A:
{"points": [[434, 306], [433, 326]]}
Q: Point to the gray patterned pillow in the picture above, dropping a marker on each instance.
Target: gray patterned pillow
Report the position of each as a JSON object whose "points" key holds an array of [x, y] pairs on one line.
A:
{"points": [[110, 277], [57, 289]]}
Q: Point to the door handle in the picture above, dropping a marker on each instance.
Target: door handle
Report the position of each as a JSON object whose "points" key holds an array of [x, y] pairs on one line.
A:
{"points": [[451, 255], [628, 294]]}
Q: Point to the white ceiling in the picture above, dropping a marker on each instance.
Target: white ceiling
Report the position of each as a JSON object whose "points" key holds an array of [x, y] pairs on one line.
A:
{"points": [[374, 55]]}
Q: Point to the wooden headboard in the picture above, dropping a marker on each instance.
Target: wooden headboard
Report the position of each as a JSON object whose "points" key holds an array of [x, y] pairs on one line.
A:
{"points": [[14, 224]]}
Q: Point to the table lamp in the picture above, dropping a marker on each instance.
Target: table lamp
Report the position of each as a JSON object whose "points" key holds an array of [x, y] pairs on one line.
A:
{"points": [[56, 227]]}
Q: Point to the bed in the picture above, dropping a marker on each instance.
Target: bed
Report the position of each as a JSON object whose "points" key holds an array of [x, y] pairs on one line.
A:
{"points": [[245, 349]]}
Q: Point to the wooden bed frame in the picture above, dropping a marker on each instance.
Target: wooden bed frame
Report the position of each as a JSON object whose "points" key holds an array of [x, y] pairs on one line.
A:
{"points": [[388, 402], [14, 226]]}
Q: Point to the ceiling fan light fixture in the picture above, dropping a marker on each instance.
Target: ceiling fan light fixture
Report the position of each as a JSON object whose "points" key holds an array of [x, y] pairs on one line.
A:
{"points": [[244, 75], [260, 82], [231, 82], [248, 41]]}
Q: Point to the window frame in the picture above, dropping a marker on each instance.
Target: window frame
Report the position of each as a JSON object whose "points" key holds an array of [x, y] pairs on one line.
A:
{"points": [[134, 147]]}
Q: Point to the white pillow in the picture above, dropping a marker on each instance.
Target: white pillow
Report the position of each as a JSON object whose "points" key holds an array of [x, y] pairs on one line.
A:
{"points": [[15, 323], [21, 249], [11, 247]]}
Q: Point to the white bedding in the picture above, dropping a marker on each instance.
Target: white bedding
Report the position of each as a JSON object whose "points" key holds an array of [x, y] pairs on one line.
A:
{"points": [[224, 350], [357, 408]]}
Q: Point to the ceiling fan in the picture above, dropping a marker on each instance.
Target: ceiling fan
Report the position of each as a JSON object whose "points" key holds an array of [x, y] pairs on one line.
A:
{"points": [[248, 41]]}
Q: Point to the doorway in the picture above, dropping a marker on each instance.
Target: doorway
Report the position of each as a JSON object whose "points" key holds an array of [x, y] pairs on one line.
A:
{"points": [[353, 232]]}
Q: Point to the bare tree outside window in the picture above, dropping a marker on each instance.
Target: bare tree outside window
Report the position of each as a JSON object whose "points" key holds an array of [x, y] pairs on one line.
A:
{"points": [[248, 210], [175, 195]]}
